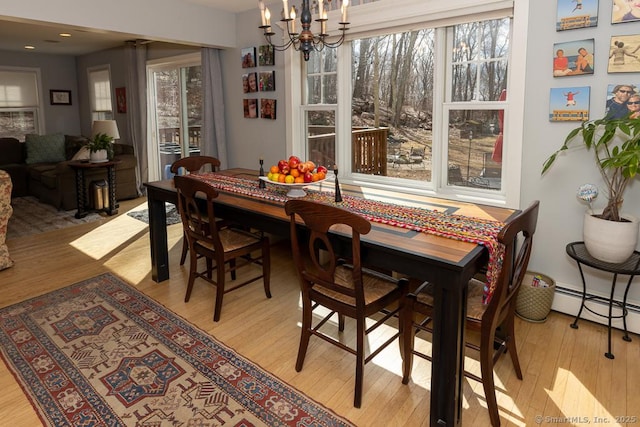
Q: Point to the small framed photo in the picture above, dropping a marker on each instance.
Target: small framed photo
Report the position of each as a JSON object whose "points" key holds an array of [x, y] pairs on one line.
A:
{"points": [[573, 58], [569, 104], [60, 97], [268, 81], [250, 82], [266, 55], [248, 57], [623, 54], [121, 100], [622, 99], [268, 108], [624, 11], [574, 14], [250, 108]]}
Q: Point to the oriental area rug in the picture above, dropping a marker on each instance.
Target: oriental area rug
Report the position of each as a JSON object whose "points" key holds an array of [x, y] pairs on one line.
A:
{"points": [[100, 353]]}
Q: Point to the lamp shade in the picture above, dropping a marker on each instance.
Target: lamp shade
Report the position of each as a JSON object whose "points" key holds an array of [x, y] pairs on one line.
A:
{"points": [[109, 127]]}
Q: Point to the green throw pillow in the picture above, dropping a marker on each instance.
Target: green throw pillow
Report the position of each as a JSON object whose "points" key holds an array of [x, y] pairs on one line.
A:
{"points": [[45, 148]]}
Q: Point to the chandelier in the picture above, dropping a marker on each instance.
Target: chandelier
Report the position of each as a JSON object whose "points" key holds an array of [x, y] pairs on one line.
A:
{"points": [[305, 40]]}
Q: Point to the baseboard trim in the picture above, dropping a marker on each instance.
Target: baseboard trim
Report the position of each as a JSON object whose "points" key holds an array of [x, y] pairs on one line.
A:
{"points": [[567, 300]]}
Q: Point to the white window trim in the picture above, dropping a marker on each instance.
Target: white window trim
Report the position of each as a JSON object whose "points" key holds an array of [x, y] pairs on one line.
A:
{"points": [[94, 69], [404, 15], [40, 107]]}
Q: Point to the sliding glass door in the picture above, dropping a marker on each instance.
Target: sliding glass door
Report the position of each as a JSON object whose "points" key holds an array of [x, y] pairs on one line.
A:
{"points": [[175, 101]]}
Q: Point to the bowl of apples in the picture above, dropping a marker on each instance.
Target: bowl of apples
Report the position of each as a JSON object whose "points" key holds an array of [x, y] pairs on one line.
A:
{"points": [[295, 175]]}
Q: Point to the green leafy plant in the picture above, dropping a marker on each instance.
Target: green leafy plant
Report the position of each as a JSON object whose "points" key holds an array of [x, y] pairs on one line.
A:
{"points": [[616, 145], [101, 141]]}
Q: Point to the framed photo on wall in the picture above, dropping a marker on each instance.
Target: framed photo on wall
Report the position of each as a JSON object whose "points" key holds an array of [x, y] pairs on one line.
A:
{"points": [[250, 108], [624, 11], [268, 108], [573, 58], [268, 81], [121, 100], [60, 97], [624, 52], [622, 99], [266, 55], [574, 14], [248, 57], [569, 104]]}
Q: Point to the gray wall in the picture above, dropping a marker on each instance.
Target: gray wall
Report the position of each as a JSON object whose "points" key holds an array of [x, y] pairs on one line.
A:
{"points": [[57, 72]]}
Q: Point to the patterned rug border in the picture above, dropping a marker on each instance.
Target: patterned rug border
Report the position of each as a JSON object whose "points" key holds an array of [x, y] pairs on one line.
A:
{"points": [[101, 284]]}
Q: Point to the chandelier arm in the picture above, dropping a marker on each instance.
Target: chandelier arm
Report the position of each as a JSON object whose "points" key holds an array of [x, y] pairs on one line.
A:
{"points": [[279, 48]]}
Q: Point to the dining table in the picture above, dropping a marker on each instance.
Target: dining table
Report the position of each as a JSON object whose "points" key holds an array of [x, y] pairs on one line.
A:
{"points": [[446, 262]]}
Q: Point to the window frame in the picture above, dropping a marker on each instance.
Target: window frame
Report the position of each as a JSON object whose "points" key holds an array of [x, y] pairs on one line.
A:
{"points": [[38, 108], [97, 114], [405, 15]]}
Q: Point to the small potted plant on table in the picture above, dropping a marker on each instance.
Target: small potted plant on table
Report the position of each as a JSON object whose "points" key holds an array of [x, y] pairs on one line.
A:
{"points": [[611, 235], [100, 148]]}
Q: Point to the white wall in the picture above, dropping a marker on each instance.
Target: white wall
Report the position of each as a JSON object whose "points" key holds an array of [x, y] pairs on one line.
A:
{"points": [[560, 220]]}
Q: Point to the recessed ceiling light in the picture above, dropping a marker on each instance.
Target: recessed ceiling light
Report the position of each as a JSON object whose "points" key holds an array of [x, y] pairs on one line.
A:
{"points": [[29, 47], [64, 35]]}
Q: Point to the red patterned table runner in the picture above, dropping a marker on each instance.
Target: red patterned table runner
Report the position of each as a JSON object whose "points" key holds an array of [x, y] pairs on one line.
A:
{"points": [[458, 227]]}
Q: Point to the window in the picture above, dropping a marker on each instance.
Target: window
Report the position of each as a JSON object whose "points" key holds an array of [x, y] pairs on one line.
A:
{"points": [[20, 109], [100, 93], [422, 105]]}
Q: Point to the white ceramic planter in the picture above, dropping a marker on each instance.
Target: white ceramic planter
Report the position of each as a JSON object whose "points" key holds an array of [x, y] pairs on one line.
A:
{"points": [[99, 156], [610, 241]]}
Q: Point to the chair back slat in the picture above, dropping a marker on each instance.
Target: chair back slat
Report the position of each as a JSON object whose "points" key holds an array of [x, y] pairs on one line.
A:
{"points": [[517, 236], [195, 164], [195, 220], [321, 269]]}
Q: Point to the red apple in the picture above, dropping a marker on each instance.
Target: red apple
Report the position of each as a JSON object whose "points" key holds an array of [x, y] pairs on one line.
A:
{"points": [[302, 167], [322, 169], [308, 177], [285, 169], [282, 163], [294, 161]]}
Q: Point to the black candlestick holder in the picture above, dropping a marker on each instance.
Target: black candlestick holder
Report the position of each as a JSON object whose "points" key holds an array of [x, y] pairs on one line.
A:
{"points": [[338, 194], [261, 183]]}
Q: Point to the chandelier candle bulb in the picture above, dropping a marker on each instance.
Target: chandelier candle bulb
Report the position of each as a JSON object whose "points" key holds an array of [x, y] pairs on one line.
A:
{"points": [[267, 16], [345, 3], [320, 8], [263, 18], [293, 20], [286, 9]]}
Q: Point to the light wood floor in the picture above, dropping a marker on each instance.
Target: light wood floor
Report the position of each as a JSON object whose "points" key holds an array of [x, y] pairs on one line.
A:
{"points": [[567, 379]]}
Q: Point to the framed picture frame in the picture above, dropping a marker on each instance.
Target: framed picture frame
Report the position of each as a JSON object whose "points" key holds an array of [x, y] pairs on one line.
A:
{"points": [[250, 106], [121, 100], [624, 52], [250, 82], [266, 55], [248, 57], [573, 14], [60, 97], [268, 108], [623, 11], [267, 81], [573, 58], [569, 104], [619, 96]]}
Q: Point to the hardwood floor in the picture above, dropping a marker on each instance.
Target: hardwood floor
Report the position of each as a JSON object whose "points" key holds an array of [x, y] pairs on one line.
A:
{"points": [[567, 379]]}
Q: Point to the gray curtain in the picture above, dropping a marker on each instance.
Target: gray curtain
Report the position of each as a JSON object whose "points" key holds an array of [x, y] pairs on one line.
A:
{"points": [[137, 107], [214, 137]]}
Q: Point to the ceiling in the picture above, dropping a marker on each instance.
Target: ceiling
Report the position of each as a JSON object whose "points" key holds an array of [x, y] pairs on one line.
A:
{"points": [[46, 39]]}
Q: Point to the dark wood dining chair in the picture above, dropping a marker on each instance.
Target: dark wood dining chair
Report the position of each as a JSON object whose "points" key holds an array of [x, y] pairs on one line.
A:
{"points": [[193, 164], [343, 286], [230, 248], [493, 321]]}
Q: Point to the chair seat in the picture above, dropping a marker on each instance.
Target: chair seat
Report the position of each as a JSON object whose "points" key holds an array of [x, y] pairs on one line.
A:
{"points": [[475, 307], [232, 239], [375, 288]]}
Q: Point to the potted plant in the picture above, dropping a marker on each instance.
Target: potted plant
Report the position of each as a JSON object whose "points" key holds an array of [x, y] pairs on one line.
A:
{"points": [[616, 146], [100, 148]]}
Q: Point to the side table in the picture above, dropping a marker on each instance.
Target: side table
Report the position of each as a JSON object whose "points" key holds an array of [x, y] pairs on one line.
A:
{"points": [[80, 167], [630, 267]]}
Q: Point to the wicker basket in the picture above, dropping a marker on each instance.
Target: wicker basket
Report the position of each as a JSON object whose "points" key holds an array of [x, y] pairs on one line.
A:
{"points": [[534, 303]]}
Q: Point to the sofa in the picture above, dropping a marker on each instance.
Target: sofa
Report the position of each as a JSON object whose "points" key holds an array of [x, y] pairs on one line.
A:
{"points": [[40, 167]]}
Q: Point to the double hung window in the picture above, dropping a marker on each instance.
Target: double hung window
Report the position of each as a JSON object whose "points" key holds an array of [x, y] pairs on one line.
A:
{"points": [[100, 93], [20, 102]]}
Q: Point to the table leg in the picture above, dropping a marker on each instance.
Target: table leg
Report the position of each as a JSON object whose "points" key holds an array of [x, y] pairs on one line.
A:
{"points": [[626, 336], [111, 181], [158, 238], [447, 366], [574, 325], [80, 194], [608, 354]]}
